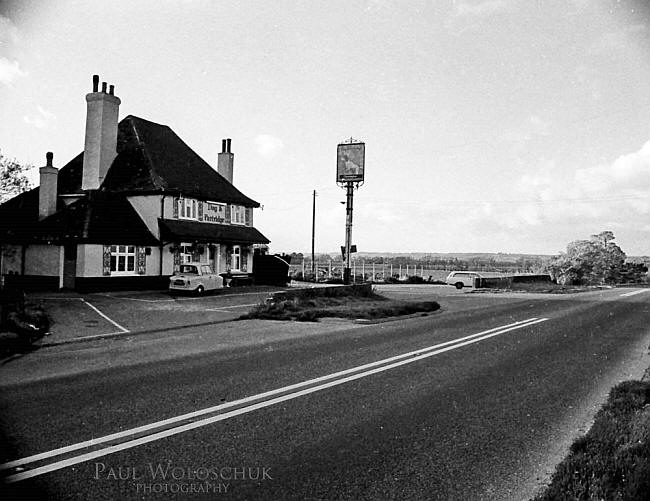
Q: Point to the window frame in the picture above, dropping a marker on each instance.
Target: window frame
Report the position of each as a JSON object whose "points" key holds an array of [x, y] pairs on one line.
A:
{"points": [[187, 206], [187, 257], [238, 215], [117, 253], [236, 257]]}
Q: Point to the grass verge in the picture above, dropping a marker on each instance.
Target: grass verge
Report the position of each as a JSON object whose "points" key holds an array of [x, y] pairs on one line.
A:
{"points": [[309, 308], [612, 461]]}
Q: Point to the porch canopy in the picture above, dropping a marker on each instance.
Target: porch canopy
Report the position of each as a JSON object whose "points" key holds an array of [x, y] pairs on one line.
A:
{"points": [[172, 230]]}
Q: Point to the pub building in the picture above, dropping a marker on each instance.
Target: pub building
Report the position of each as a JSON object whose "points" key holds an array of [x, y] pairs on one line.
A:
{"points": [[127, 211]]}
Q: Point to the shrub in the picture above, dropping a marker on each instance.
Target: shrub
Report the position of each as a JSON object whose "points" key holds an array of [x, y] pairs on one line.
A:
{"points": [[612, 461], [32, 322], [414, 279], [27, 326]]}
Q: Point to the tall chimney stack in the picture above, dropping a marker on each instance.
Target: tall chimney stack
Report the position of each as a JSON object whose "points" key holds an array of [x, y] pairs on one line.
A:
{"points": [[47, 191], [225, 160], [101, 135]]}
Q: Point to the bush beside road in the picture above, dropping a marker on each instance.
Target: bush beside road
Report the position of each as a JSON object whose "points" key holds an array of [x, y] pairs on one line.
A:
{"points": [[612, 461], [22, 323]]}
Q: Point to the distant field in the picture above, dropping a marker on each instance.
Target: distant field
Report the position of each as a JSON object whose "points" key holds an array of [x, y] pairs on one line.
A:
{"points": [[381, 272]]}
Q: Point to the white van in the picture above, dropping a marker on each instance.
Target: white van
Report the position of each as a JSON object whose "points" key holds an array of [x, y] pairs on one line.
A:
{"points": [[460, 279]]}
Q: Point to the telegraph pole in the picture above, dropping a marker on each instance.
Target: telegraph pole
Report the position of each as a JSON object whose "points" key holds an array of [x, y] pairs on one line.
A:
{"points": [[313, 236]]}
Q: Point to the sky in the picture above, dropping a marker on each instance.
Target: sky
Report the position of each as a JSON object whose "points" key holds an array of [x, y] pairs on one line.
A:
{"points": [[490, 125]]}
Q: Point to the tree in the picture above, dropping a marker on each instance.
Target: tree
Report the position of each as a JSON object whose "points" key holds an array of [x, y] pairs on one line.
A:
{"points": [[590, 262], [12, 178]]}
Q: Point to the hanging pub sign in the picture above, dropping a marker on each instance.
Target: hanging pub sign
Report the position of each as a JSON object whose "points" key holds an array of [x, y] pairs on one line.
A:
{"points": [[350, 162]]}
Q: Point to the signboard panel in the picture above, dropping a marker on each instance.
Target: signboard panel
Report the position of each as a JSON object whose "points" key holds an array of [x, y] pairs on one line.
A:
{"points": [[214, 212], [350, 162]]}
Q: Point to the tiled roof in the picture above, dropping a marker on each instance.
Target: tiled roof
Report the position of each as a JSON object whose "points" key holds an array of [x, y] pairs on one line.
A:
{"points": [[98, 219], [19, 216], [152, 158], [172, 230]]}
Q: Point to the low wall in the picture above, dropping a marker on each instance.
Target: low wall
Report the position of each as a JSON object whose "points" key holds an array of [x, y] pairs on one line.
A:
{"points": [[507, 282], [140, 282], [31, 283]]}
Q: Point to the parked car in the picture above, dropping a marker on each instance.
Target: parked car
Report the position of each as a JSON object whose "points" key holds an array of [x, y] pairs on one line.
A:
{"points": [[196, 278], [461, 279]]}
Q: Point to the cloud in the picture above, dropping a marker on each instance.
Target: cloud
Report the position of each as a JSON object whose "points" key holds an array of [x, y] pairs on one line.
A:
{"points": [[468, 16], [378, 4], [9, 71], [531, 127], [41, 120], [9, 67], [8, 31], [618, 192], [552, 202], [480, 9], [538, 125], [268, 146], [616, 43], [629, 173]]}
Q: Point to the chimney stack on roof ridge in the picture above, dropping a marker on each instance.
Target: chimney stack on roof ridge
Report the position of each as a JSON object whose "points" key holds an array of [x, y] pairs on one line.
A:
{"points": [[101, 135], [47, 191], [225, 161]]}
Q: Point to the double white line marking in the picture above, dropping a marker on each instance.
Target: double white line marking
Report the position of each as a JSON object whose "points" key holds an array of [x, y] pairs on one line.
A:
{"points": [[134, 437], [634, 293]]}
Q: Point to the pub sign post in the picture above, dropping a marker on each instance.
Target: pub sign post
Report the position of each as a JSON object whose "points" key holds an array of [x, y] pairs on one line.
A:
{"points": [[350, 173]]}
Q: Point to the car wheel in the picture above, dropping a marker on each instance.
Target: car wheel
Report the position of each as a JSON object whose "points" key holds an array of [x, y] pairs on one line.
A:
{"points": [[459, 285], [200, 290]]}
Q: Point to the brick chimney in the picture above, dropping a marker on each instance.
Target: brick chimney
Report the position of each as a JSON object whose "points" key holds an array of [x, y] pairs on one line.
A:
{"points": [[101, 134], [47, 196], [225, 160]]}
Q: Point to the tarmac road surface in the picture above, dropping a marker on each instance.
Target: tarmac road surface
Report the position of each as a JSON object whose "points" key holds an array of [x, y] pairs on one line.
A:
{"points": [[478, 401]]}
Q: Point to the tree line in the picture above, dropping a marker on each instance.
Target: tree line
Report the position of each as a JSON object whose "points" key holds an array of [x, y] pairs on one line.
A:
{"points": [[595, 261]]}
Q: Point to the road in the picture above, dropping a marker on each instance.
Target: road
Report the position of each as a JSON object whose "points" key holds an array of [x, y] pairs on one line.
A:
{"points": [[477, 401]]}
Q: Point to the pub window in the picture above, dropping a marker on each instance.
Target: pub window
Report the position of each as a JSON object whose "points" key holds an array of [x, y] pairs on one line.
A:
{"points": [[236, 257], [238, 214], [187, 208], [123, 259], [192, 253]]}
